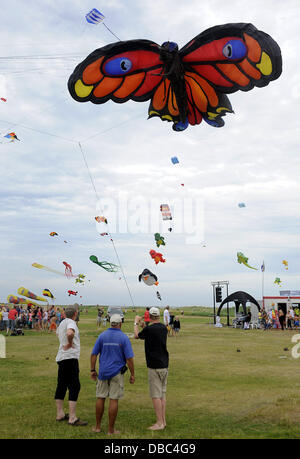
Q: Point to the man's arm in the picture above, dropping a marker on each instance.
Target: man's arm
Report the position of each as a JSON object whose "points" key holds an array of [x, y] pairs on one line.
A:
{"points": [[70, 336], [93, 367], [130, 364], [137, 321]]}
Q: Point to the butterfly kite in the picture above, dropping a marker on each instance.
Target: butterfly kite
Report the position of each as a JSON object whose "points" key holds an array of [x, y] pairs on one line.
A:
{"points": [[110, 267], [184, 86], [241, 258]]}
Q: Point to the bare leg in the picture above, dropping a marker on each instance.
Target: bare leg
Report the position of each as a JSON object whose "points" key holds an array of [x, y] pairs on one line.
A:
{"points": [[59, 409], [72, 408], [99, 413], [112, 415], [158, 408], [163, 406]]}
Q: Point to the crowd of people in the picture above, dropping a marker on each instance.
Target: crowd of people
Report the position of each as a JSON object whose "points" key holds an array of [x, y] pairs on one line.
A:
{"points": [[277, 318], [32, 317]]}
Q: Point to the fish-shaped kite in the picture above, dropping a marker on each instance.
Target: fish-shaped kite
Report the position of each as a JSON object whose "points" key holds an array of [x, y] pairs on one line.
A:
{"points": [[241, 258]]}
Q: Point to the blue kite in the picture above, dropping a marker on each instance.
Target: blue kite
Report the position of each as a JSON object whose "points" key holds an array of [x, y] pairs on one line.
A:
{"points": [[174, 160], [94, 16]]}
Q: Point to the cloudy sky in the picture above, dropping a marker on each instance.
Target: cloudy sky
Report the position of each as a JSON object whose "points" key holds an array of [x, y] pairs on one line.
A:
{"points": [[46, 185]]}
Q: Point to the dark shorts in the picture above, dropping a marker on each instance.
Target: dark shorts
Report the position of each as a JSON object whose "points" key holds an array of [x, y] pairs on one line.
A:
{"points": [[68, 379]]}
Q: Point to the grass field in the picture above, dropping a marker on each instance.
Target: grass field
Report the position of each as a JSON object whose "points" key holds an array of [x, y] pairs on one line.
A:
{"points": [[214, 391]]}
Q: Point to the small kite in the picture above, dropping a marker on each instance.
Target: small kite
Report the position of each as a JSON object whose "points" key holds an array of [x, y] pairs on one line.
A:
{"points": [[71, 292], [3, 99], [285, 263], [37, 265], [53, 233], [160, 240], [184, 85], [103, 234], [94, 16], [12, 136], [110, 267], [80, 279], [68, 270], [157, 257], [242, 204], [170, 229], [165, 212], [158, 295], [46, 292], [175, 160], [23, 291], [241, 258], [148, 277], [101, 219], [277, 281]]}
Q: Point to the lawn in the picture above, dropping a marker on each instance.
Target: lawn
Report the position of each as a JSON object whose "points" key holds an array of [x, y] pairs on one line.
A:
{"points": [[223, 383]]}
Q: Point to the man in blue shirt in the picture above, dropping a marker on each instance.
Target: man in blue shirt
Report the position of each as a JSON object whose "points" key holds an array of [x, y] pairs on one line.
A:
{"points": [[115, 352]]}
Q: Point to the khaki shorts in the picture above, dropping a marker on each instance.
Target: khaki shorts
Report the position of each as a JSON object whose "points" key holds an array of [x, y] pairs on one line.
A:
{"points": [[157, 379], [112, 388]]}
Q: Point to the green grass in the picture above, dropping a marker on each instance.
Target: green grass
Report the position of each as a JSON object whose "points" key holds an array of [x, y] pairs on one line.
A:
{"points": [[213, 390]]}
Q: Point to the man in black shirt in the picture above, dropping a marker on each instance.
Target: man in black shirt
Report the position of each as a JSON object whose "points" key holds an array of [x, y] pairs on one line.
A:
{"points": [[157, 359]]}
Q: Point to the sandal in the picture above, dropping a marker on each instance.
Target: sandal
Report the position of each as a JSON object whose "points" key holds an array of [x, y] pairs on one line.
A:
{"points": [[78, 422], [65, 418]]}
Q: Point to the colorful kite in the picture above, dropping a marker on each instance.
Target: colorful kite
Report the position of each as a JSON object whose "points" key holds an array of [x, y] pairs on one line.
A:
{"points": [[110, 267], [174, 160], [148, 277], [160, 240], [94, 16], [3, 100], [37, 265], [165, 212], [53, 233], [68, 270], [12, 136], [46, 292], [285, 263], [184, 86], [23, 291], [101, 219], [241, 258], [157, 257], [71, 292], [17, 300], [277, 281], [80, 279]]}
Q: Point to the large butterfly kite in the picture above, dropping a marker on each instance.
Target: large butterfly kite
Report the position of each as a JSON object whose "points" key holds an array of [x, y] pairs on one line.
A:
{"points": [[186, 85]]}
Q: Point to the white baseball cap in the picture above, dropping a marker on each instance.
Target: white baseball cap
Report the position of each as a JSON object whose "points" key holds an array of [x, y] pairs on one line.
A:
{"points": [[154, 312], [115, 319]]}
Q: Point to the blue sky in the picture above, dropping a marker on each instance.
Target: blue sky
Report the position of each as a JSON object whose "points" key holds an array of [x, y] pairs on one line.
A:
{"points": [[45, 185]]}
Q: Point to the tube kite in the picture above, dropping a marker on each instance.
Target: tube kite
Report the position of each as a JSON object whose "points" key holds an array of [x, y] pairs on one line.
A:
{"points": [[110, 267], [184, 86], [23, 291], [241, 258], [37, 265], [17, 300]]}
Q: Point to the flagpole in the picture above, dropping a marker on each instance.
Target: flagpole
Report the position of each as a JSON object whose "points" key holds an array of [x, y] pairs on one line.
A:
{"points": [[262, 284]]}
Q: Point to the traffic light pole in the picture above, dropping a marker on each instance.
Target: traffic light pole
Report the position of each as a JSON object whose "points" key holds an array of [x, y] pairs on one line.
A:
{"points": [[218, 298]]}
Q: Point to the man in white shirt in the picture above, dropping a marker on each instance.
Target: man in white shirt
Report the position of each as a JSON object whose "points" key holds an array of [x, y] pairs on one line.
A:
{"points": [[167, 318], [68, 366]]}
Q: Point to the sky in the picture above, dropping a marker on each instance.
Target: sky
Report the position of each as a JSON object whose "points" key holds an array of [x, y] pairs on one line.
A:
{"points": [[75, 161]]}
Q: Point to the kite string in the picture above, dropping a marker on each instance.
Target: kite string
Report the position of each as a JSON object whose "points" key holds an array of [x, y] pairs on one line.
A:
{"points": [[111, 31], [111, 239]]}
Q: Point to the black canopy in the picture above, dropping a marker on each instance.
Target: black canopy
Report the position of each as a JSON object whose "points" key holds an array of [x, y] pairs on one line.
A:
{"points": [[240, 299]]}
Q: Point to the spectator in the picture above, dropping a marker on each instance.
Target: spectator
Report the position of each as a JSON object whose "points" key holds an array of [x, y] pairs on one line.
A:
{"points": [[281, 317], [147, 317], [115, 351], [5, 320], [167, 319], [289, 320], [157, 359], [68, 367], [176, 325], [12, 315]]}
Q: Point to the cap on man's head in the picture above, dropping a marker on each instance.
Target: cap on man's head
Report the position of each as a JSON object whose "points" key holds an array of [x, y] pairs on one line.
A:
{"points": [[154, 312], [115, 319]]}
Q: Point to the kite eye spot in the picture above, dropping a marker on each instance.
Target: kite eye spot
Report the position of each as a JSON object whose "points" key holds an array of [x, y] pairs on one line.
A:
{"points": [[118, 66], [234, 49]]}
